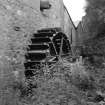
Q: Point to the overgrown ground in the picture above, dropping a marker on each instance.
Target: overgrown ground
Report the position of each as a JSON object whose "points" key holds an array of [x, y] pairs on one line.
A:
{"points": [[67, 84]]}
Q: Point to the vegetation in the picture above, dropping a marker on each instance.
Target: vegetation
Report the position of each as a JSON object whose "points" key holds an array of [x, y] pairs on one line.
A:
{"points": [[94, 49], [66, 84], [95, 12]]}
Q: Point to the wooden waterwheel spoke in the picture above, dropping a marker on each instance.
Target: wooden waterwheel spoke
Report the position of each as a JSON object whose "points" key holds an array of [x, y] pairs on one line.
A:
{"points": [[61, 46]]}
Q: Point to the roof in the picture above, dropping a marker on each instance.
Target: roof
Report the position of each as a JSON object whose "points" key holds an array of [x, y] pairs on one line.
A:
{"points": [[69, 17]]}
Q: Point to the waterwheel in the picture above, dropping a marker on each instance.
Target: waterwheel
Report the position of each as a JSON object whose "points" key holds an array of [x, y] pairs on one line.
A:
{"points": [[48, 47]]}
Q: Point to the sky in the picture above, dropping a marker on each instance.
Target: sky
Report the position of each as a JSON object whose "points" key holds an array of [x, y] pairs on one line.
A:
{"points": [[75, 9]]}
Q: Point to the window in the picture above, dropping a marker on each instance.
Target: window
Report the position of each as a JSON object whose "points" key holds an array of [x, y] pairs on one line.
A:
{"points": [[44, 4]]}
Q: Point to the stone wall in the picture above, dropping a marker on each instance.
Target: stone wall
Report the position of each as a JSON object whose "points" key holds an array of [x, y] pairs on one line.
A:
{"points": [[53, 17], [83, 31], [70, 29], [19, 19]]}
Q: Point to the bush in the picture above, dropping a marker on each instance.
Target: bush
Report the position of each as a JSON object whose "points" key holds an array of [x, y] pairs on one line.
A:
{"points": [[81, 78]]}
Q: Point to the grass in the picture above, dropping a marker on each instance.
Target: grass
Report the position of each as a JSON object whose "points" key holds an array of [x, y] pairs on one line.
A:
{"points": [[69, 84]]}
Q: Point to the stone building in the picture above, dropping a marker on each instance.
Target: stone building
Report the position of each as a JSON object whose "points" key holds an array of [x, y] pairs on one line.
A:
{"points": [[83, 35], [69, 27], [83, 31], [53, 13], [50, 12], [41, 14], [80, 32], [19, 19]]}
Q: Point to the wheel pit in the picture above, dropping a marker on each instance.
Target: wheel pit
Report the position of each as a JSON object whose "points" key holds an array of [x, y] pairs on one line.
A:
{"points": [[47, 45]]}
